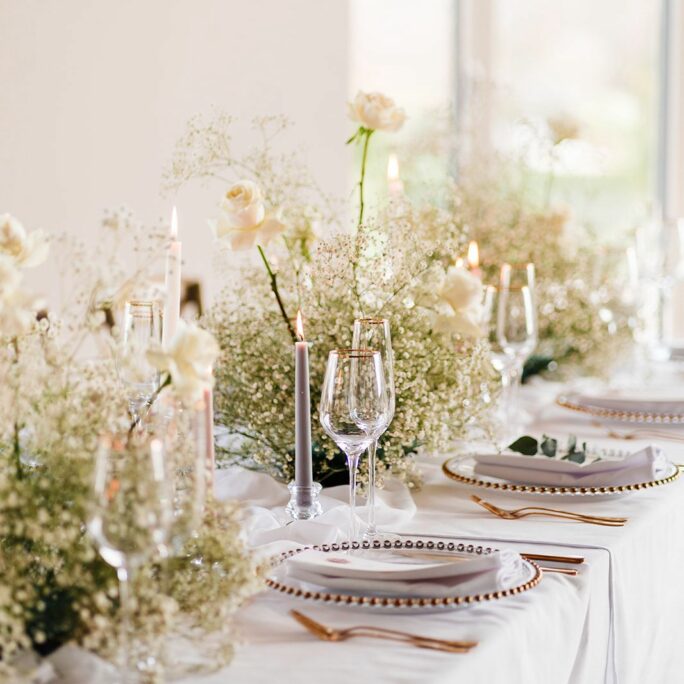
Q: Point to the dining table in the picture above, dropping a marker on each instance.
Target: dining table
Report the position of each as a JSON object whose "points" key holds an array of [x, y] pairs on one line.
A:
{"points": [[617, 620]]}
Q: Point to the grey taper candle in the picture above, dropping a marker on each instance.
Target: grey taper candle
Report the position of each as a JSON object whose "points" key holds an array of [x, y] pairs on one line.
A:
{"points": [[303, 465]]}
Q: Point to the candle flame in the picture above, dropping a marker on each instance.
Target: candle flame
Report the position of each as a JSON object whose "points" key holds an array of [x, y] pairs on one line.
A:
{"points": [[459, 263], [300, 326], [392, 168], [473, 255], [174, 224]]}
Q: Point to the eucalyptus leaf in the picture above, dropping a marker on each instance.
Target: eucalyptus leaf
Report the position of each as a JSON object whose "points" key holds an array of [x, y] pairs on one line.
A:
{"points": [[575, 457], [549, 446], [526, 445], [572, 443]]}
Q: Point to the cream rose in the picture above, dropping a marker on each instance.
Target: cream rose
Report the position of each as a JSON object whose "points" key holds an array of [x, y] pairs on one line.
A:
{"points": [[23, 249], [17, 306], [243, 219], [188, 360], [376, 112], [459, 303]]}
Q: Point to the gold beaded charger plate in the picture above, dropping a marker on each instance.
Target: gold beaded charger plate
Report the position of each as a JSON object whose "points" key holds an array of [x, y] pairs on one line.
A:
{"points": [[462, 469], [377, 602], [659, 412]]}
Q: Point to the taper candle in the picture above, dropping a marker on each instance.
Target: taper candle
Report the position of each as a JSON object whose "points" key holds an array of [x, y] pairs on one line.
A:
{"points": [[208, 401], [173, 283], [395, 186], [474, 259], [303, 465]]}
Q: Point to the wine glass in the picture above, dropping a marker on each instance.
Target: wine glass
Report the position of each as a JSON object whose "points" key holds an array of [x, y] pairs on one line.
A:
{"points": [[374, 333], [501, 362], [142, 330], [516, 323], [130, 516], [354, 408]]}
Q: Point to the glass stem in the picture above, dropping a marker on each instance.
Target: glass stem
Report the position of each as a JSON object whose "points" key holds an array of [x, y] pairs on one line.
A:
{"points": [[372, 529], [514, 395], [125, 576], [352, 463]]}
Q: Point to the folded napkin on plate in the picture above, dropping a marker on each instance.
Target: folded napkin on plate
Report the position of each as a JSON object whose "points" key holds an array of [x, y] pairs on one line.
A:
{"points": [[644, 400], [642, 466], [407, 575]]}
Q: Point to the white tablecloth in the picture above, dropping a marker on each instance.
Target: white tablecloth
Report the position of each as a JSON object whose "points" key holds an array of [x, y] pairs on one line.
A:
{"points": [[618, 621]]}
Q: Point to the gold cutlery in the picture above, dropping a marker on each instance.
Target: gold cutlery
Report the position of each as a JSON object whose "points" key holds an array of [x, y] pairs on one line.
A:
{"points": [[549, 558], [573, 560], [561, 571], [639, 433], [549, 512], [331, 634]]}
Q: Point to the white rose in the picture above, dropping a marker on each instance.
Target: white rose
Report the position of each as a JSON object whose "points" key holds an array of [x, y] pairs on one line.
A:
{"points": [[460, 289], [376, 112], [9, 276], [243, 220], [24, 249], [459, 303], [188, 360], [17, 307]]}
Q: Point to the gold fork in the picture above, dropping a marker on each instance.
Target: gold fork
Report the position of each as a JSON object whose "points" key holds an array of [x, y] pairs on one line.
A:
{"points": [[550, 512], [640, 433], [331, 634]]}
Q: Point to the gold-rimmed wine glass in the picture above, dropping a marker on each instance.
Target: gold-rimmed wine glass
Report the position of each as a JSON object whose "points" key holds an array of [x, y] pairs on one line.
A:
{"points": [[374, 333], [129, 518], [354, 407], [516, 325]]}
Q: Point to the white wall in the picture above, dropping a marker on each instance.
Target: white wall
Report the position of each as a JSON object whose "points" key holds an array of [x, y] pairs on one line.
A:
{"points": [[94, 95]]}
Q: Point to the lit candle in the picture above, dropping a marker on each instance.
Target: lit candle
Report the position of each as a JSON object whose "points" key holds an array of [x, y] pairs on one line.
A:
{"points": [[395, 185], [303, 466], [474, 259], [173, 283], [208, 401]]}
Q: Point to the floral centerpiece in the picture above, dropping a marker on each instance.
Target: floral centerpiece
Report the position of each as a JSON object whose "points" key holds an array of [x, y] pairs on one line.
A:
{"points": [[53, 406], [390, 265], [585, 309]]}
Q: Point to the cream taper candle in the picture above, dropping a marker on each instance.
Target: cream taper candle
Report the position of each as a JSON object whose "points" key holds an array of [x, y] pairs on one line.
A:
{"points": [[208, 402]]}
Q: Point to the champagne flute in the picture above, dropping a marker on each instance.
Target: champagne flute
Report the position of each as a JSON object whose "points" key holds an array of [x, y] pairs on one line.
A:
{"points": [[516, 324], [142, 329], [183, 433], [501, 361], [130, 517], [374, 333], [353, 408]]}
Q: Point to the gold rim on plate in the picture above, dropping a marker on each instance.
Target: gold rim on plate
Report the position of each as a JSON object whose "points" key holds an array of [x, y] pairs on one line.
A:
{"points": [[398, 601], [505, 486], [622, 416]]}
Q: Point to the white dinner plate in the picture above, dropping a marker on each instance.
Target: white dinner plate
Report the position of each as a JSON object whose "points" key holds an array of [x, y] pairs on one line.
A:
{"points": [[277, 579], [462, 469], [627, 408]]}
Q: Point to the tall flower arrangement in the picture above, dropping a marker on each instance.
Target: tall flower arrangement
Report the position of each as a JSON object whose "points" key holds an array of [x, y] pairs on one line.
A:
{"points": [[55, 587], [391, 264]]}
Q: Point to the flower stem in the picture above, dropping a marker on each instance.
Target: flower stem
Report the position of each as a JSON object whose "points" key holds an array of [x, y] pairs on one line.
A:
{"points": [[274, 287], [145, 408], [364, 158], [362, 180], [16, 451]]}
